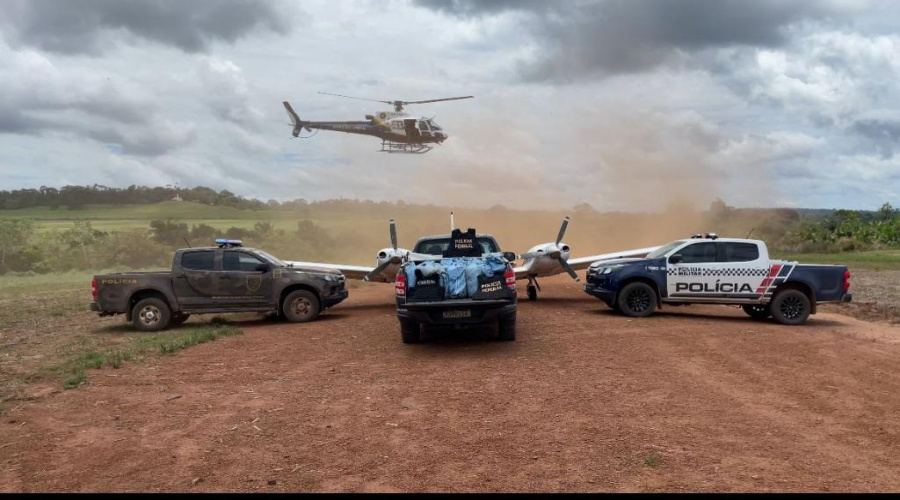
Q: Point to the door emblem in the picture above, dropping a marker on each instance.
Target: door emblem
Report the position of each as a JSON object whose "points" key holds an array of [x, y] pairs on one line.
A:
{"points": [[254, 281]]}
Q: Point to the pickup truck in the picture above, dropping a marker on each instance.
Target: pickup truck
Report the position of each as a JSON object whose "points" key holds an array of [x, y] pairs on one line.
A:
{"points": [[223, 279], [437, 297], [711, 270]]}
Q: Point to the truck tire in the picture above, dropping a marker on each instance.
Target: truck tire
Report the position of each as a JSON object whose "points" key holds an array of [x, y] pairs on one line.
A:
{"points": [[637, 300], [178, 319], [790, 307], [507, 328], [759, 311], [300, 306], [151, 315], [410, 331]]}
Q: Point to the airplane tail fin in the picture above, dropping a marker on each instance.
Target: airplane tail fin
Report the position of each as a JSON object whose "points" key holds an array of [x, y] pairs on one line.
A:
{"points": [[295, 120]]}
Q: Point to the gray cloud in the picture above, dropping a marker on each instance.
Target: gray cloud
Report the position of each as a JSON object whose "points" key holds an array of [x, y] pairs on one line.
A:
{"points": [[88, 26], [578, 39], [883, 134]]}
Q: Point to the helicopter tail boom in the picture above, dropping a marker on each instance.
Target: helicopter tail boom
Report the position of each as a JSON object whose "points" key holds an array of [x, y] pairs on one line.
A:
{"points": [[295, 120]]}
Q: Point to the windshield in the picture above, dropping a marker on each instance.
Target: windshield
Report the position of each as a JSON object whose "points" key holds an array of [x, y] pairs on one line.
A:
{"points": [[271, 258], [434, 126], [659, 252], [438, 246]]}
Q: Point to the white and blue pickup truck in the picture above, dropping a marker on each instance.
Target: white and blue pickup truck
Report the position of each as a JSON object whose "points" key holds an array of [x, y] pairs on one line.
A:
{"points": [[705, 269]]}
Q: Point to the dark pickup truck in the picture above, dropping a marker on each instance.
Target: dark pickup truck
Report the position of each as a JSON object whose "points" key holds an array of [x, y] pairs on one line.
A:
{"points": [[223, 279], [430, 299]]}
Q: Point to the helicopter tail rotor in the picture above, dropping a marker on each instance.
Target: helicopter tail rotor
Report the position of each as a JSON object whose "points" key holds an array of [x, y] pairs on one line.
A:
{"points": [[295, 120]]}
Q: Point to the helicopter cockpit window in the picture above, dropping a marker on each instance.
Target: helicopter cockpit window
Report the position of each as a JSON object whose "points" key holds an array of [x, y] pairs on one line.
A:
{"points": [[422, 125], [434, 126]]}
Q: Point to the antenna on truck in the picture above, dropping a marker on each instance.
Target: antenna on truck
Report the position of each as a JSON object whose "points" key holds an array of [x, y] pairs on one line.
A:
{"points": [[452, 224], [186, 241]]}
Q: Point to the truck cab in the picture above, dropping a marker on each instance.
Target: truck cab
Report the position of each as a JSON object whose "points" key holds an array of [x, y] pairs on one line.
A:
{"points": [[708, 269]]}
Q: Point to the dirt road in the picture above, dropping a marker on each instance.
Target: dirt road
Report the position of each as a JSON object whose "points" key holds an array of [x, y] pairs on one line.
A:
{"points": [[693, 399]]}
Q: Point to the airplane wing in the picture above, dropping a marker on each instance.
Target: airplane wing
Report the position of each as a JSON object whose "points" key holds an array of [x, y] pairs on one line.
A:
{"points": [[520, 272], [351, 272], [585, 262]]}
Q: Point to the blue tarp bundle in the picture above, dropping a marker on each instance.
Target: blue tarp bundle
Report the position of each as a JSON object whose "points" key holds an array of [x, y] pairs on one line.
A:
{"points": [[457, 275]]}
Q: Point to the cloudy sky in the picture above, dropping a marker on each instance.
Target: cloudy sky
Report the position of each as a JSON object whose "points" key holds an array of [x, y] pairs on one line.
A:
{"points": [[623, 104]]}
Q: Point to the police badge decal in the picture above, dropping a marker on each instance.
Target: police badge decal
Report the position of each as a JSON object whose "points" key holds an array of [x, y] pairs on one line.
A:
{"points": [[254, 281]]}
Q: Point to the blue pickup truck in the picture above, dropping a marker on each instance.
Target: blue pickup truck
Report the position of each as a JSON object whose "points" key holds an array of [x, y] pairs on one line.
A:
{"points": [[705, 269]]}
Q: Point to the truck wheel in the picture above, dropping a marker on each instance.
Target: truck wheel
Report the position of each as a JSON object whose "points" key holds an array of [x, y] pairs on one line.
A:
{"points": [[151, 315], [532, 292], [757, 311], [637, 300], [790, 307], [179, 319], [507, 328], [410, 331], [300, 306]]}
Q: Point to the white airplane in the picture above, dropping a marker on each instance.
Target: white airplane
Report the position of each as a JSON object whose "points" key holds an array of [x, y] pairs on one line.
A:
{"points": [[544, 260]]}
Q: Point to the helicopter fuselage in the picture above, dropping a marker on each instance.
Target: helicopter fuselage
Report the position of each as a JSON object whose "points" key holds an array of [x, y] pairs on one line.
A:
{"points": [[388, 126]]}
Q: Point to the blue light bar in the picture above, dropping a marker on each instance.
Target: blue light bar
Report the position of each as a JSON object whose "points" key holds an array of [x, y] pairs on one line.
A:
{"points": [[227, 242]]}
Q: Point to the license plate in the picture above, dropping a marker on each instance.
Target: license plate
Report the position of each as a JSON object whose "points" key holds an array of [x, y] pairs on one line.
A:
{"points": [[458, 313]]}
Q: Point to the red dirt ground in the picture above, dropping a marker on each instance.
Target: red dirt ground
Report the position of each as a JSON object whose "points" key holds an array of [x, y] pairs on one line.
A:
{"points": [[691, 399]]}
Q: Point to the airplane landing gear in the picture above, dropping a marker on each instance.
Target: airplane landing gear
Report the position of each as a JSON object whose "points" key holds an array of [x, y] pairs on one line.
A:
{"points": [[533, 288]]}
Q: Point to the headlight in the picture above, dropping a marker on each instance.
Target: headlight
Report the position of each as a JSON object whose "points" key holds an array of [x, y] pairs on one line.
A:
{"points": [[607, 270], [332, 277]]}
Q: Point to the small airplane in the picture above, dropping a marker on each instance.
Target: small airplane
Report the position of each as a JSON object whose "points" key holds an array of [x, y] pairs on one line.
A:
{"points": [[399, 131], [544, 260]]}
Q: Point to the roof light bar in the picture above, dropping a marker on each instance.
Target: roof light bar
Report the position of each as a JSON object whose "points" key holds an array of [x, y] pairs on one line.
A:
{"points": [[225, 242]]}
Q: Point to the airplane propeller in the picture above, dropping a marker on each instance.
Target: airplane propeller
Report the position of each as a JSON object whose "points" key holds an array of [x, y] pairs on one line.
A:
{"points": [[555, 252], [395, 259]]}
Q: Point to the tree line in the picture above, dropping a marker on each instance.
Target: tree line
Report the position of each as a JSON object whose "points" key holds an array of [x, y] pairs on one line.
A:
{"points": [[76, 197]]}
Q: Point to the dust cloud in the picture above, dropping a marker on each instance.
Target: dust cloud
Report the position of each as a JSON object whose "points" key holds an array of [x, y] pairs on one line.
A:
{"points": [[627, 179]]}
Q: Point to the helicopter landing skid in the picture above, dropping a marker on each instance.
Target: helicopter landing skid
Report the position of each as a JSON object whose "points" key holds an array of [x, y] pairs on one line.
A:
{"points": [[404, 148]]}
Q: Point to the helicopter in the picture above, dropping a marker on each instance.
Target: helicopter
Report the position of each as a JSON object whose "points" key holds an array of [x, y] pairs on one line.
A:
{"points": [[399, 131]]}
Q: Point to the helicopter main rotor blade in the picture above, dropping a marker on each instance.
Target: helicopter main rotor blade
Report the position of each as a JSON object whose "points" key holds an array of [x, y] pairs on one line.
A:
{"points": [[358, 98], [562, 230], [393, 234], [439, 100]]}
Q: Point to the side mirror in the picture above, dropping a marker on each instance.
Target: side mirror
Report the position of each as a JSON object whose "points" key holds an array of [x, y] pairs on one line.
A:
{"points": [[263, 268], [676, 259], [510, 256]]}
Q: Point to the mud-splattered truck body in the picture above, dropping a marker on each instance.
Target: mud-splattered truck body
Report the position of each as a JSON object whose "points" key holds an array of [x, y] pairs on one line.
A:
{"points": [[227, 278]]}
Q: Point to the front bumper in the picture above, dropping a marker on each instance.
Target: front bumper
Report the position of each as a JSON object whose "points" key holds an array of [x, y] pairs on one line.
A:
{"points": [[335, 299], [601, 293]]}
